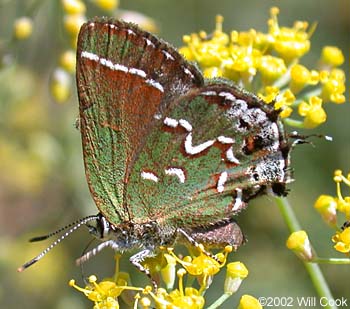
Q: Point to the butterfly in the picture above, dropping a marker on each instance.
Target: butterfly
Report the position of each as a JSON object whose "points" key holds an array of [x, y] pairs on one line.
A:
{"points": [[169, 156]]}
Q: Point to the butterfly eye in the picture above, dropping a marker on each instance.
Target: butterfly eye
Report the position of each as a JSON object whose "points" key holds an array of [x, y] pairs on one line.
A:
{"points": [[98, 228]]}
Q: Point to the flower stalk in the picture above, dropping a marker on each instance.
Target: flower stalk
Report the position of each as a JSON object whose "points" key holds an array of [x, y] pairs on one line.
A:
{"points": [[313, 269]]}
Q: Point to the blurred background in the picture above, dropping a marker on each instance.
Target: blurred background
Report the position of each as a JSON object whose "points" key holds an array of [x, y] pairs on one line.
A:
{"points": [[42, 181]]}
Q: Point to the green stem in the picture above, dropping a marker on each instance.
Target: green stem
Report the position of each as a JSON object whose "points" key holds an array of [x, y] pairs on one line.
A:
{"points": [[331, 261], [294, 123], [220, 301], [313, 269], [285, 78], [312, 93], [288, 214]]}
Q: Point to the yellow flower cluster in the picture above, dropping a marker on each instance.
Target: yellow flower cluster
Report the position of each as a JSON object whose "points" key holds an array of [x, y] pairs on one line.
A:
{"points": [[268, 64], [328, 206], [201, 267], [74, 17], [104, 294]]}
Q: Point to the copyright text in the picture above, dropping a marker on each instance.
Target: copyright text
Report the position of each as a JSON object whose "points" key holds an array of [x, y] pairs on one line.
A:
{"points": [[302, 301]]}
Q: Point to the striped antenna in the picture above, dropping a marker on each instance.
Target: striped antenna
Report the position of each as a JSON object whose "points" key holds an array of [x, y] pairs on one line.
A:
{"points": [[72, 227], [303, 139], [40, 238]]}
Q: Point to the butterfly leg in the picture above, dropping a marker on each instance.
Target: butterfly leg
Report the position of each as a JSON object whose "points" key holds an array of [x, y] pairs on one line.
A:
{"points": [[138, 258], [193, 242], [94, 251]]}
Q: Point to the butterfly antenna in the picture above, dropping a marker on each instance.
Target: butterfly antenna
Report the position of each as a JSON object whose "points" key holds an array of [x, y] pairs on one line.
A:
{"points": [[43, 237], [303, 139], [72, 227]]}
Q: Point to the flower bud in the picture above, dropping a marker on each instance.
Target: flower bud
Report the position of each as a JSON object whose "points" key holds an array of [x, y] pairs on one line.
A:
{"points": [[235, 273], [300, 244], [249, 302], [326, 205]]}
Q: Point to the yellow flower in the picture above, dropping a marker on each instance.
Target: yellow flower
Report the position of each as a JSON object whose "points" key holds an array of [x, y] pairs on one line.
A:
{"points": [[162, 263], [252, 38], [218, 56], [23, 28], [326, 205], [289, 43], [104, 294], [332, 55], [73, 22], [243, 59], [205, 266], [301, 77], [73, 7], [67, 61], [107, 5], [284, 102], [249, 59], [338, 176], [60, 85], [333, 86], [313, 112], [186, 51], [300, 244], [213, 72], [202, 265], [208, 52], [271, 68], [235, 273], [187, 298], [281, 102], [342, 240], [145, 302], [270, 95], [343, 203], [249, 302], [168, 271]]}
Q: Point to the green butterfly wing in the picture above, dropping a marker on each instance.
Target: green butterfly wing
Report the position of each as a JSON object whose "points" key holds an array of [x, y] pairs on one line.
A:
{"points": [[125, 78], [214, 149]]}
